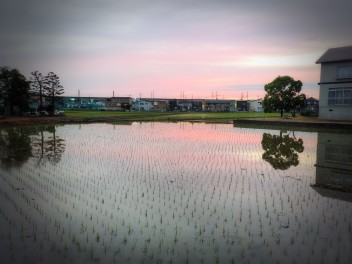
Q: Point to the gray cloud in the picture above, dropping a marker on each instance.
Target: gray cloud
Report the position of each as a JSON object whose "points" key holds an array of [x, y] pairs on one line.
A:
{"points": [[290, 21], [45, 32]]}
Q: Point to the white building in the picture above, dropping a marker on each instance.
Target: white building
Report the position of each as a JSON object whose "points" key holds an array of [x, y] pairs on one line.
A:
{"points": [[256, 105], [141, 105], [335, 102]]}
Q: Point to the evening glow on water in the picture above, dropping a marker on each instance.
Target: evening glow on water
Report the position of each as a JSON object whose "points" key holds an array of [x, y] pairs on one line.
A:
{"points": [[173, 193]]}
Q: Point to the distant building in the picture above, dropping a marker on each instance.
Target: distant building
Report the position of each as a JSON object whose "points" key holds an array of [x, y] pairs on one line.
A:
{"points": [[217, 105], [310, 104], [173, 105], [118, 103], [93, 103], [242, 105], [142, 105], [184, 105], [158, 105], [336, 84], [256, 105], [161, 105]]}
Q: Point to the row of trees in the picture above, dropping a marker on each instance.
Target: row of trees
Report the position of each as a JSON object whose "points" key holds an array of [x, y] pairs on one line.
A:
{"points": [[283, 93], [16, 91]]}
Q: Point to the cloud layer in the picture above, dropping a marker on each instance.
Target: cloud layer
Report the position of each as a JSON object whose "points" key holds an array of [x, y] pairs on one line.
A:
{"points": [[169, 47]]}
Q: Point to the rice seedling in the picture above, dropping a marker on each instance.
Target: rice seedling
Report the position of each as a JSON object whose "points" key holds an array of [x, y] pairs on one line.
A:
{"points": [[132, 194]]}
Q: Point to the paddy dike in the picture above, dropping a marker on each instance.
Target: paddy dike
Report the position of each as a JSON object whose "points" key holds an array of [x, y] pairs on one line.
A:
{"points": [[300, 123]]}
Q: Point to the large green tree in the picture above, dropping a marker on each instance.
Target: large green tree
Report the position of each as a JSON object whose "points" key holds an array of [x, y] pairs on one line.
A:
{"points": [[283, 94], [53, 88], [13, 92]]}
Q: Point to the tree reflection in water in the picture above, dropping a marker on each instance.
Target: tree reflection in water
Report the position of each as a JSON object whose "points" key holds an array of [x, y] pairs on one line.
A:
{"points": [[15, 146], [47, 146], [281, 150]]}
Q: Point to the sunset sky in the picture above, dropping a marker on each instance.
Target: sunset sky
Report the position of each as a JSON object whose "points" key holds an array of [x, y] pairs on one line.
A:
{"points": [[173, 49]]}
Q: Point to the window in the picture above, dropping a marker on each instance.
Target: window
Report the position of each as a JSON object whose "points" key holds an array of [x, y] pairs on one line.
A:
{"points": [[340, 96], [344, 72]]}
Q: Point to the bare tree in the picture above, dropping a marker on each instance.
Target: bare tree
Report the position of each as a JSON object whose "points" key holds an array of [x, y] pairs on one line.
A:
{"points": [[53, 88], [37, 83]]}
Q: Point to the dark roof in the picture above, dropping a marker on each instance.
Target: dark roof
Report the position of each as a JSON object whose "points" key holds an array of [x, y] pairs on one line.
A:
{"points": [[312, 98], [336, 54]]}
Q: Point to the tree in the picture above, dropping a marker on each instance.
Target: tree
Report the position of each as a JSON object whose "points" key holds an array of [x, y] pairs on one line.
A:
{"points": [[47, 146], [283, 95], [13, 91], [297, 101], [37, 85], [15, 146], [53, 88], [281, 151]]}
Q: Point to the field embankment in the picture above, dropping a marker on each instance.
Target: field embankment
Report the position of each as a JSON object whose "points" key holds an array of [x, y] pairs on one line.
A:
{"points": [[240, 119], [111, 116]]}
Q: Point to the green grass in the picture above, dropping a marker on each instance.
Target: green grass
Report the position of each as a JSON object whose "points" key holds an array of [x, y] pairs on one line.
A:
{"points": [[167, 116]]}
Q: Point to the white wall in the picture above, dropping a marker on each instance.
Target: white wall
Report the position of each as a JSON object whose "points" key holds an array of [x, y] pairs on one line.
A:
{"points": [[332, 112]]}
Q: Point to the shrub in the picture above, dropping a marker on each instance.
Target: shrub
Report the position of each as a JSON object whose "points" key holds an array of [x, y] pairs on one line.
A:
{"points": [[309, 113]]}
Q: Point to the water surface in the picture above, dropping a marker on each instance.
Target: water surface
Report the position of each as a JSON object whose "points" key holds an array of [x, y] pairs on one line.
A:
{"points": [[174, 193]]}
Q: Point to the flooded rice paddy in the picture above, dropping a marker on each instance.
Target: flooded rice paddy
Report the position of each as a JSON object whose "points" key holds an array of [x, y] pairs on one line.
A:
{"points": [[174, 193]]}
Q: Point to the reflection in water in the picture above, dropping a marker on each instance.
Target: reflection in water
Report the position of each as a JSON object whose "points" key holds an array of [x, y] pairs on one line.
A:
{"points": [[334, 166], [47, 146], [15, 147], [191, 194], [17, 144], [281, 150]]}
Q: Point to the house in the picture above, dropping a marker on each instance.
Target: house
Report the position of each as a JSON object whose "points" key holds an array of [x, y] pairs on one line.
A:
{"points": [[155, 104], [242, 105], [118, 103], [256, 105], [184, 105], [311, 104], [336, 84], [217, 105], [187, 105], [142, 105], [160, 105]]}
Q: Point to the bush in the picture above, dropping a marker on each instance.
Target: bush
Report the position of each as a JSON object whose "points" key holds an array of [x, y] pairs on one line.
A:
{"points": [[309, 113]]}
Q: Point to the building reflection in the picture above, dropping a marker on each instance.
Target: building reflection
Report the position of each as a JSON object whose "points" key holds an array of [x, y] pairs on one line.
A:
{"points": [[334, 166], [281, 151]]}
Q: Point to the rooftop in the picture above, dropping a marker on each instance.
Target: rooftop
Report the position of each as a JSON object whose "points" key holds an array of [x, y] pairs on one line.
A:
{"points": [[336, 54]]}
